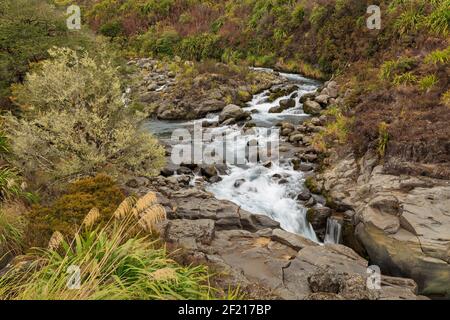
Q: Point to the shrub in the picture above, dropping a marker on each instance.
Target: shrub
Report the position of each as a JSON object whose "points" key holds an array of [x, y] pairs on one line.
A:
{"points": [[111, 29], [200, 47], [74, 122], [66, 213], [28, 28], [11, 184], [317, 16], [114, 263]]}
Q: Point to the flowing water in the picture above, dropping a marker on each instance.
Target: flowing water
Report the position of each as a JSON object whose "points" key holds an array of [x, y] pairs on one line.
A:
{"points": [[260, 189]]}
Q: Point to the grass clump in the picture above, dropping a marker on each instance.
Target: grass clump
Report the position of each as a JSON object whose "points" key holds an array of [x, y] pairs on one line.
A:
{"points": [[428, 82], [438, 57], [392, 68], [12, 228], [407, 78], [116, 262]]}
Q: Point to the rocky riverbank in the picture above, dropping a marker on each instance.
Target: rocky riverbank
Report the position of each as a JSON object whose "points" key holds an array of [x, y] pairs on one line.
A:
{"points": [[251, 250], [400, 222]]}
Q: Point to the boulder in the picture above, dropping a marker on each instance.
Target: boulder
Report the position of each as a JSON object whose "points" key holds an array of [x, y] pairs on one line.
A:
{"points": [[232, 112], [312, 107], [318, 217], [322, 99]]}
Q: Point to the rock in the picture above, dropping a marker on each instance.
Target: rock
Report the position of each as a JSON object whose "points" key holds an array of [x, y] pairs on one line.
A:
{"points": [[275, 110], [304, 195], [188, 234], [287, 104], [307, 96], [239, 182], [137, 182], [296, 137], [215, 179], [208, 171], [254, 222], [184, 170], [292, 240], [322, 99], [232, 112], [312, 107], [167, 172]]}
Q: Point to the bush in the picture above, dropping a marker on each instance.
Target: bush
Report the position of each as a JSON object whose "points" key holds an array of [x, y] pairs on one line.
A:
{"points": [[111, 29], [200, 47], [67, 212], [74, 122], [28, 28], [407, 78], [115, 263]]}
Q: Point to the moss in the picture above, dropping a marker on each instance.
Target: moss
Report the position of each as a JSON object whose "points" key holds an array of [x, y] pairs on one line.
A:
{"points": [[311, 184], [67, 212]]}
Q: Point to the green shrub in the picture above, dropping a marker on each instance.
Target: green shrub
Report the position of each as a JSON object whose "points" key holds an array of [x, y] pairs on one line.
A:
{"points": [[28, 28], [3, 143], [74, 122], [67, 212], [111, 29], [318, 15], [200, 47]]}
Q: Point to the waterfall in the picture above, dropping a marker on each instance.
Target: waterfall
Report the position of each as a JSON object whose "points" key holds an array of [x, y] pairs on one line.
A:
{"points": [[334, 231]]}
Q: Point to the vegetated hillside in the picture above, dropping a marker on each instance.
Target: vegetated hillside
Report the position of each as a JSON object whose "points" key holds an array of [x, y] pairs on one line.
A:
{"points": [[398, 76]]}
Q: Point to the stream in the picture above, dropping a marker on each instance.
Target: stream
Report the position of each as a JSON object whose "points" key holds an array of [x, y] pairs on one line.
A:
{"points": [[257, 187]]}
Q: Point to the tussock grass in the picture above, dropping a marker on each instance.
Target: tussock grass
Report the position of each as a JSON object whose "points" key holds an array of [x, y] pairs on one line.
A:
{"points": [[117, 261]]}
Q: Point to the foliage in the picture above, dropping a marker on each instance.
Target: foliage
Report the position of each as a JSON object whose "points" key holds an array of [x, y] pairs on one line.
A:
{"points": [[12, 227], [407, 78], [392, 68], [428, 82], [74, 121], [117, 261], [438, 57], [66, 213], [439, 20], [28, 28]]}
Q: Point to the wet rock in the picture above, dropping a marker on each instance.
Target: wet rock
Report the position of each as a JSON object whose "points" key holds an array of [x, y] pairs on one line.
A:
{"points": [[287, 104], [304, 195], [292, 240], [307, 96], [208, 171], [318, 217], [255, 222], [184, 170], [239, 182], [232, 112], [215, 179]]}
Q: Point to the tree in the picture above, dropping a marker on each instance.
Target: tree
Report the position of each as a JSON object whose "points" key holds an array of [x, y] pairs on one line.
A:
{"points": [[74, 123]]}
